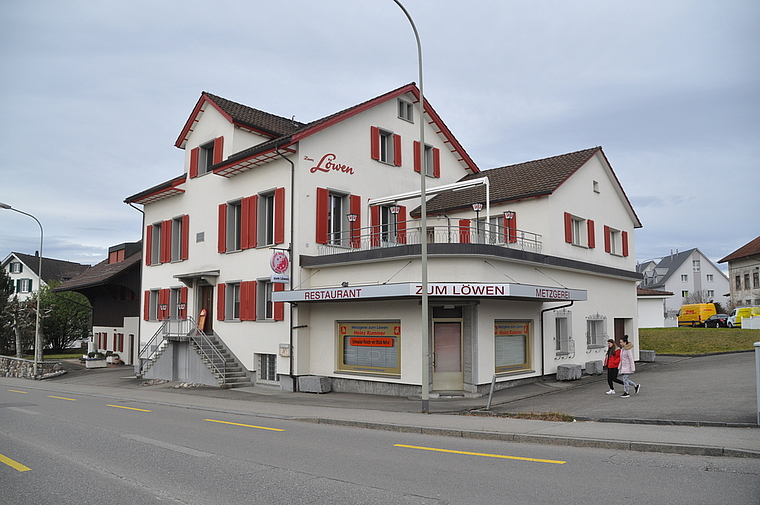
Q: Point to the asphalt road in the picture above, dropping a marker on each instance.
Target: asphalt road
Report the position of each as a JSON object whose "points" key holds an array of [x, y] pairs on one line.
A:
{"points": [[97, 449]]}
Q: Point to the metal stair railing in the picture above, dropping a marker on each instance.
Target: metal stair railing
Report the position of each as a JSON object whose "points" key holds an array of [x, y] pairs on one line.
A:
{"points": [[208, 350], [152, 348]]}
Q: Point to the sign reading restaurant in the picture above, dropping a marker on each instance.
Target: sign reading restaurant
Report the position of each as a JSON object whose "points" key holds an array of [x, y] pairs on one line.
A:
{"points": [[434, 289]]}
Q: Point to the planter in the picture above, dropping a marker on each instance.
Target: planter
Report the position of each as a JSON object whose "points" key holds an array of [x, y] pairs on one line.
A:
{"points": [[95, 363]]}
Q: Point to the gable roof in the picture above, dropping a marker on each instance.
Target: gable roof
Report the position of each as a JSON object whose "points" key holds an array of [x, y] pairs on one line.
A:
{"points": [[652, 292], [531, 179], [266, 151], [102, 273], [52, 269], [752, 248]]}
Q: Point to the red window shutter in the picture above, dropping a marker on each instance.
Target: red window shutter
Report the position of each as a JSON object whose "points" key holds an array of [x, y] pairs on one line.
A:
{"points": [[397, 150], [591, 234], [374, 133], [185, 246], [510, 229], [323, 202], [146, 306], [248, 216], [436, 162], [464, 231], [374, 214], [148, 243], [607, 247], [355, 204], [279, 216], [568, 228], [183, 303], [218, 149], [222, 229], [401, 225], [163, 304], [166, 241], [220, 291], [194, 155], [279, 307], [417, 164], [624, 237], [248, 301]]}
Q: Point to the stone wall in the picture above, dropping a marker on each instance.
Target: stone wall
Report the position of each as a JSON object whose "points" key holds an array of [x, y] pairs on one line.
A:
{"points": [[24, 368]]}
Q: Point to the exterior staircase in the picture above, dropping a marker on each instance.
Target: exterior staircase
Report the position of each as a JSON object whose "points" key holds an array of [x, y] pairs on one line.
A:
{"points": [[220, 361]]}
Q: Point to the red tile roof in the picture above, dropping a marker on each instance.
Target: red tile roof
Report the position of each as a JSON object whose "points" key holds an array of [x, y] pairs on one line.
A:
{"points": [[750, 249]]}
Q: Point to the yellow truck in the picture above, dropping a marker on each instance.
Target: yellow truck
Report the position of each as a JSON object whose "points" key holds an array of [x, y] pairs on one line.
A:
{"points": [[695, 314], [736, 315]]}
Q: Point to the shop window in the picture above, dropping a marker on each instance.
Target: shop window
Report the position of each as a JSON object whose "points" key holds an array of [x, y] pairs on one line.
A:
{"points": [[562, 332], [596, 331], [369, 347], [511, 346]]}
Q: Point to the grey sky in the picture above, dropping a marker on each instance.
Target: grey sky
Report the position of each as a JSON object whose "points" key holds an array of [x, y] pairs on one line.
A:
{"points": [[94, 94]]}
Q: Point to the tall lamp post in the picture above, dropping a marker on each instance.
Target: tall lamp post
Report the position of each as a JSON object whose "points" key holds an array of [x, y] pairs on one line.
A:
{"points": [[37, 334], [423, 228]]}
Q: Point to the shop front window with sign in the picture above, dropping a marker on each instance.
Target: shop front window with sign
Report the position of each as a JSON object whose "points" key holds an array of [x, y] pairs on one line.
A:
{"points": [[511, 346], [369, 347]]}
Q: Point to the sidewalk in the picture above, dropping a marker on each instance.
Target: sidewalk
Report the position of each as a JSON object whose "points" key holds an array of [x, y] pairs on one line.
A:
{"points": [[700, 405]]}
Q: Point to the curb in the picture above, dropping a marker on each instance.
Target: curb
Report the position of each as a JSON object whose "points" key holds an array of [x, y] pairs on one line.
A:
{"points": [[623, 445]]}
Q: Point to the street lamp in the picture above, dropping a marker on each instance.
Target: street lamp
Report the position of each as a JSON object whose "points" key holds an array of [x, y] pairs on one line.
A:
{"points": [[423, 228], [37, 334]]}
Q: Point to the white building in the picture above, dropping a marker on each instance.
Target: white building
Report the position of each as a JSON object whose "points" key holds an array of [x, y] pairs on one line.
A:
{"points": [[23, 269], [335, 199], [684, 274]]}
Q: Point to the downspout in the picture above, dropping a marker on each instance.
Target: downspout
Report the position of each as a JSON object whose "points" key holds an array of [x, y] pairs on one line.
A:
{"points": [[541, 320], [135, 359], [292, 267]]}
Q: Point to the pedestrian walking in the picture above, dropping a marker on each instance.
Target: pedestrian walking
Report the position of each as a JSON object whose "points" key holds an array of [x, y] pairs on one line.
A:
{"points": [[612, 361], [627, 367]]}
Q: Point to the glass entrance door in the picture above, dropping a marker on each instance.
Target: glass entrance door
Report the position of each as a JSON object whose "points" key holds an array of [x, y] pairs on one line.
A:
{"points": [[447, 355]]}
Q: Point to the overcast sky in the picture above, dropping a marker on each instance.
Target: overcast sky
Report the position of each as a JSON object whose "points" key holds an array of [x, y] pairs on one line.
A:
{"points": [[94, 94]]}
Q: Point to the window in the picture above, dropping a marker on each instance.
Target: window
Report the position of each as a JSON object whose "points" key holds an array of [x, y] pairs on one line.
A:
{"points": [[378, 354], [385, 146], [270, 223], [755, 280], [203, 157], [388, 225], [234, 230], [16, 267], [266, 308], [746, 281], [236, 301], [267, 365], [562, 328], [405, 110], [432, 162], [154, 244], [180, 238], [738, 282], [23, 285], [511, 346], [709, 277], [685, 293], [615, 241], [696, 265], [232, 300], [151, 302], [576, 230], [711, 293], [333, 226], [178, 303], [596, 331], [684, 278], [596, 186]]}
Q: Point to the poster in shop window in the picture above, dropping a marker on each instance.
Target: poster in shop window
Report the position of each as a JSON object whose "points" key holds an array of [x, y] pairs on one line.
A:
{"points": [[511, 346], [371, 347]]}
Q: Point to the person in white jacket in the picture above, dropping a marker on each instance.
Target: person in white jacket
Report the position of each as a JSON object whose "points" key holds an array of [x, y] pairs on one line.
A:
{"points": [[627, 367]]}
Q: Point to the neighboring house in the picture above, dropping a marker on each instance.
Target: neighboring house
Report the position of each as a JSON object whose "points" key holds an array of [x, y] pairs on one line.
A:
{"points": [[651, 308], [112, 287], [295, 247], [744, 272], [683, 274], [24, 272]]}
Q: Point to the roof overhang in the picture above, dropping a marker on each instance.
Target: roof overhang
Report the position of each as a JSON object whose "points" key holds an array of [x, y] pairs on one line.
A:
{"points": [[205, 275], [156, 193], [435, 290]]}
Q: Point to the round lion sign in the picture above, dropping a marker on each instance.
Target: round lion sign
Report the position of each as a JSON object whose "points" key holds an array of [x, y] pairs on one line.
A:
{"points": [[279, 262]]}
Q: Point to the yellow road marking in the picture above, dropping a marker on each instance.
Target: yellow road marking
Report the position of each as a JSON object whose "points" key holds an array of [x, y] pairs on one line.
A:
{"points": [[13, 464], [14, 391], [128, 408], [245, 425], [481, 454], [62, 398]]}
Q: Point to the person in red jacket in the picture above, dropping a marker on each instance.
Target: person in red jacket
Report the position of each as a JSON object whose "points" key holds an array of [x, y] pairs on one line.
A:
{"points": [[612, 362]]}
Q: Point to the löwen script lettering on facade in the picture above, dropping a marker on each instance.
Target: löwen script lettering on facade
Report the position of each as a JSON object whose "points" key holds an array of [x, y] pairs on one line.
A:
{"points": [[327, 164]]}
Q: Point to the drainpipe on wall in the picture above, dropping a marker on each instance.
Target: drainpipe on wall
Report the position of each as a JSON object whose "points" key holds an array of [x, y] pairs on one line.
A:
{"points": [[292, 267], [136, 359], [541, 320]]}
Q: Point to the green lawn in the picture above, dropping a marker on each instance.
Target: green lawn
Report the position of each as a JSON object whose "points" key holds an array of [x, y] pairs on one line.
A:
{"points": [[697, 340]]}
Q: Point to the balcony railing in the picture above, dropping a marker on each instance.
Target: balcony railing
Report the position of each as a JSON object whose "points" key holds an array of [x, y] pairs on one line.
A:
{"points": [[408, 233]]}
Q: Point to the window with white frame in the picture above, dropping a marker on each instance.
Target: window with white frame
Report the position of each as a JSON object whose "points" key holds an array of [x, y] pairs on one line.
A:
{"points": [[386, 146], [405, 110], [23, 285], [336, 218], [206, 157], [265, 306], [232, 301], [696, 265], [711, 293], [265, 213], [615, 242], [174, 301], [684, 278], [16, 267], [388, 224], [429, 165], [153, 305], [596, 330], [685, 293], [563, 328], [267, 369], [234, 225], [579, 231], [710, 277], [178, 238]]}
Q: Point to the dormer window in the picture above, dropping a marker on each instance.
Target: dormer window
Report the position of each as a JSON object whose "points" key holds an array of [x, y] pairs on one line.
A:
{"points": [[205, 158]]}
